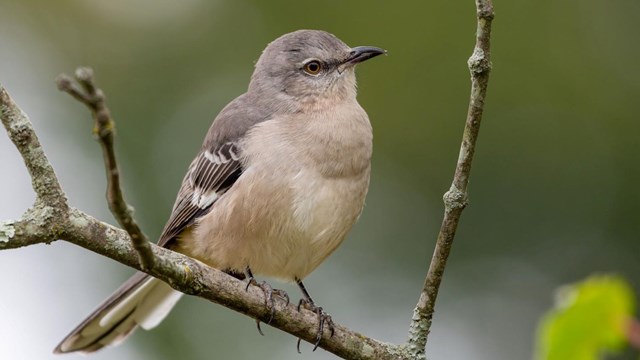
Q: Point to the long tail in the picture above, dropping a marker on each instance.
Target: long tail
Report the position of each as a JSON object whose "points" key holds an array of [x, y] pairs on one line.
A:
{"points": [[141, 301]]}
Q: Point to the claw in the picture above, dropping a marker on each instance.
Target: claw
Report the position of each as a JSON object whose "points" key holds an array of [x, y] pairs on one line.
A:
{"points": [[268, 291], [324, 319], [269, 303], [258, 326], [283, 295]]}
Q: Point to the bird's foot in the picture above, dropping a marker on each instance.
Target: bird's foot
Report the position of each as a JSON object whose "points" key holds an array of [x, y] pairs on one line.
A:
{"points": [[324, 321], [269, 301]]}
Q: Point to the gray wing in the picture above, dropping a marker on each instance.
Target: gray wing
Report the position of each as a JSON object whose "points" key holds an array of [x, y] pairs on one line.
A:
{"points": [[215, 169]]}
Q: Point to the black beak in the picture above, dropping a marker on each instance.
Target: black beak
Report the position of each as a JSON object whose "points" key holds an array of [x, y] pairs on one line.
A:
{"points": [[359, 54]]}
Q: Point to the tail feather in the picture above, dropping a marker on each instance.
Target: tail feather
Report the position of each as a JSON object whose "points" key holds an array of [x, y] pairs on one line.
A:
{"points": [[141, 301], [156, 306]]}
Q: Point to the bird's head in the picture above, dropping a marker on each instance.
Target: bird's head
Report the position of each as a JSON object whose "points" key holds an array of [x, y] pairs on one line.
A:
{"points": [[309, 66]]}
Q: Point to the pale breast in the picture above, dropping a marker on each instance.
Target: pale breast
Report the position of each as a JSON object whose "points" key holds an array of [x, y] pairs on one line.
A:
{"points": [[324, 210]]}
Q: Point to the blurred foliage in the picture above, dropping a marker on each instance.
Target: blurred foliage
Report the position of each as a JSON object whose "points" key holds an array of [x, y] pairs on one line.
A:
{"points": [[590, 319]]}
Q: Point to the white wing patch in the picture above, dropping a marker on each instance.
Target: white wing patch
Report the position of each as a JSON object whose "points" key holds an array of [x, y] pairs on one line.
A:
{"points": [[212, 157], [203, 200], [219, 156]]}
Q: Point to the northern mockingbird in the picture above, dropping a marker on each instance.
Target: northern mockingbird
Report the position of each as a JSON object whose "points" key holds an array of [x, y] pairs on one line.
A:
{"points": [[277, 185]]}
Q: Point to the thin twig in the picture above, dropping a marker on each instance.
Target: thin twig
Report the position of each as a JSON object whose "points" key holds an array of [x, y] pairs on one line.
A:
{"points": [[87, 93], [455, 199]]}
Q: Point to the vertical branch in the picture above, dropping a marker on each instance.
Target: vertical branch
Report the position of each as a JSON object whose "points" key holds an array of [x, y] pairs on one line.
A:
{"points": [[104, 129], [455, 199]]}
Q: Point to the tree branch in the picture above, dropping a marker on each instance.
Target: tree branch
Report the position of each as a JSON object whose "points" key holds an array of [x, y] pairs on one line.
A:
{"points": [[104, 130], [455, 200]]}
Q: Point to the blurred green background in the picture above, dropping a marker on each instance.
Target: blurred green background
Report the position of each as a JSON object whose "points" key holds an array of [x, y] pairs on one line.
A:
{"points": [[553, 193]]}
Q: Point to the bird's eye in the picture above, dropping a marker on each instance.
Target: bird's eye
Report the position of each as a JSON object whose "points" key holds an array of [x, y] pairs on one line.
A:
{"points": [[313, 67]]}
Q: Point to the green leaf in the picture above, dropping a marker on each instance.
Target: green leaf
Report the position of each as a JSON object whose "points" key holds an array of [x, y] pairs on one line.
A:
{"points": [[590, 318]]}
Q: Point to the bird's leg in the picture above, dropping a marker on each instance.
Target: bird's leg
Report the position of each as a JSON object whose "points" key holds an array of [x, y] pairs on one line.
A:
{"points": [[324, 319], [268, 291], [248, 275]]}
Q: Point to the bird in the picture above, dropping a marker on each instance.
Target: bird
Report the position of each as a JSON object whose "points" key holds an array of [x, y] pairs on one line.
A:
{"points": [[279, 181]]}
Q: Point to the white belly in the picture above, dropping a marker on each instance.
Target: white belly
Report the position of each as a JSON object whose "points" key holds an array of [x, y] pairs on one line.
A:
{"points": [[324, 210], [287, 237]]}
